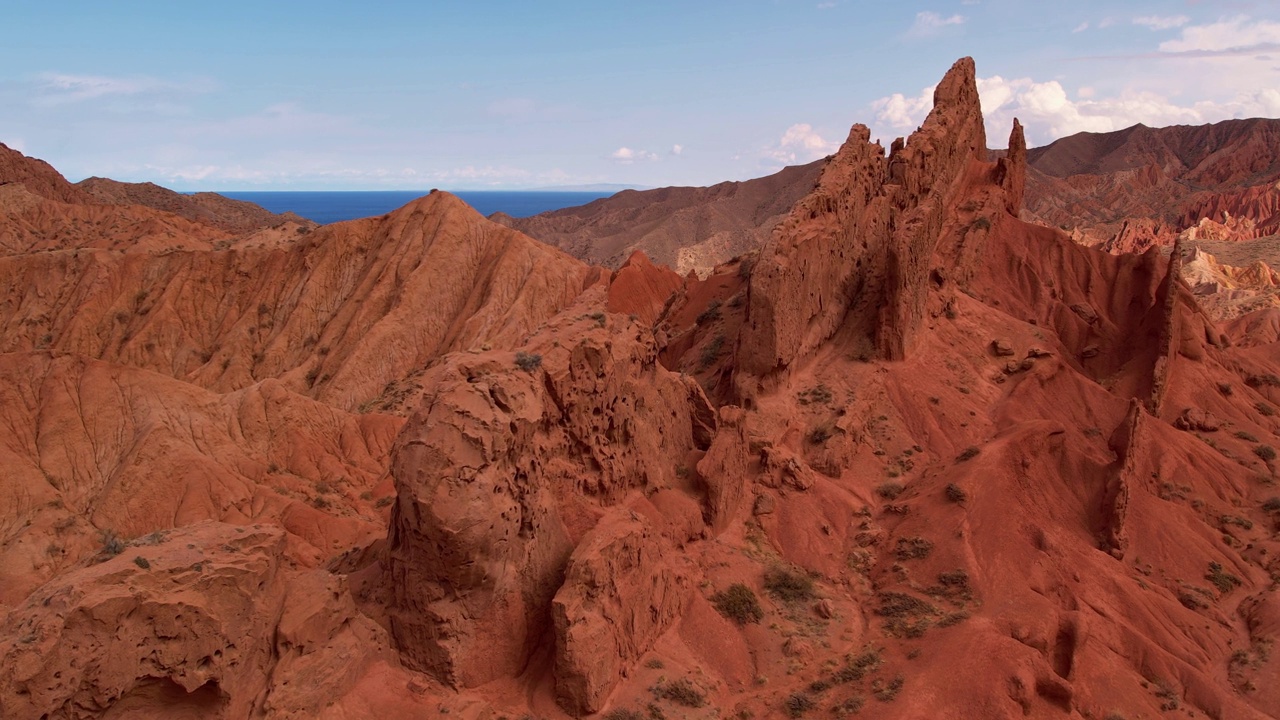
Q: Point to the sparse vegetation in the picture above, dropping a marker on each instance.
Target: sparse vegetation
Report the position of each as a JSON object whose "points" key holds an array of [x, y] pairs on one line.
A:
{"points": [[142, 562], [788, 585], [599, 317], [623, 715], [820, 434], [739, 604], [955, 493], [798, 704], [1221, 579], [711, 351], [887, 691], [890, 490], [711, 314], [384, 501], [1272, 504], [1265, 409], [112, 545], [1225, 389], [1247, 437], [682, 692], [1266, 452], [913, 548], [818, 395], [528, 362], [969, 453]]}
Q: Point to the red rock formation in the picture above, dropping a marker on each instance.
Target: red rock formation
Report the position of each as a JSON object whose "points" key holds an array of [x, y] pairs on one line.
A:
{"points": [[868, 232], [1083, 519], [510, 462], [624, 587]]}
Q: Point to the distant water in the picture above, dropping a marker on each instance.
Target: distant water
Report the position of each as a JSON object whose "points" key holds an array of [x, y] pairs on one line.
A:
{"points": [[334, 206]]}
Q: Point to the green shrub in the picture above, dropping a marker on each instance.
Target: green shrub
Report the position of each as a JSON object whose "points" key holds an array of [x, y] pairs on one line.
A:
{"points": [[788, 585], [955, 493], [1266, 452], [142, 562], [739, 604]]}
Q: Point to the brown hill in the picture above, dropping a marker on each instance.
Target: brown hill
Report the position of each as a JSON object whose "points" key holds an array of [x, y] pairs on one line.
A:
{"points": [[685, 228], [913, 458], [1134, 188], [235, 216]]}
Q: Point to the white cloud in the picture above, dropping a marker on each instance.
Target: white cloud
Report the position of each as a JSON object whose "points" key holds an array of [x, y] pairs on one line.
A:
{"points": [[1081, 27], [929, 23], [1156, 22], [826, 5], [677, 149], [626, 156], [1048, 112], [799, 143], [1239, 34]]}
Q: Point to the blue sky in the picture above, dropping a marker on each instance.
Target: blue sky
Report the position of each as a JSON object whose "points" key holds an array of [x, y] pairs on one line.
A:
{"points": [[475, 95]]}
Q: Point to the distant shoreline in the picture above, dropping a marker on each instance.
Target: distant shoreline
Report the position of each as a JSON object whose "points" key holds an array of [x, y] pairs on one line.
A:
{"points": [[330, 206]]}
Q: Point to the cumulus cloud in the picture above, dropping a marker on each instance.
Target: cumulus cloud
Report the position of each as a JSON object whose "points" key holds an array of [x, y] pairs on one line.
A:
{"points": [[1156, 22], [799, 143], [1049, 112], [626, 156], [929, 23], [677, 149]]}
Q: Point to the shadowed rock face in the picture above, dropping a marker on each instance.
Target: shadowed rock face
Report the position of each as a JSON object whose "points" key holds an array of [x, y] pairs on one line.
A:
{"points": [[505, 469], [961, 465]]}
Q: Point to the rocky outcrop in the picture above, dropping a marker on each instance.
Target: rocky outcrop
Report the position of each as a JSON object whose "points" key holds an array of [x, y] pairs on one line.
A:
{"points": [[726, 469], [624, 586], [205, 621], [854, 254], [510, 463]]}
